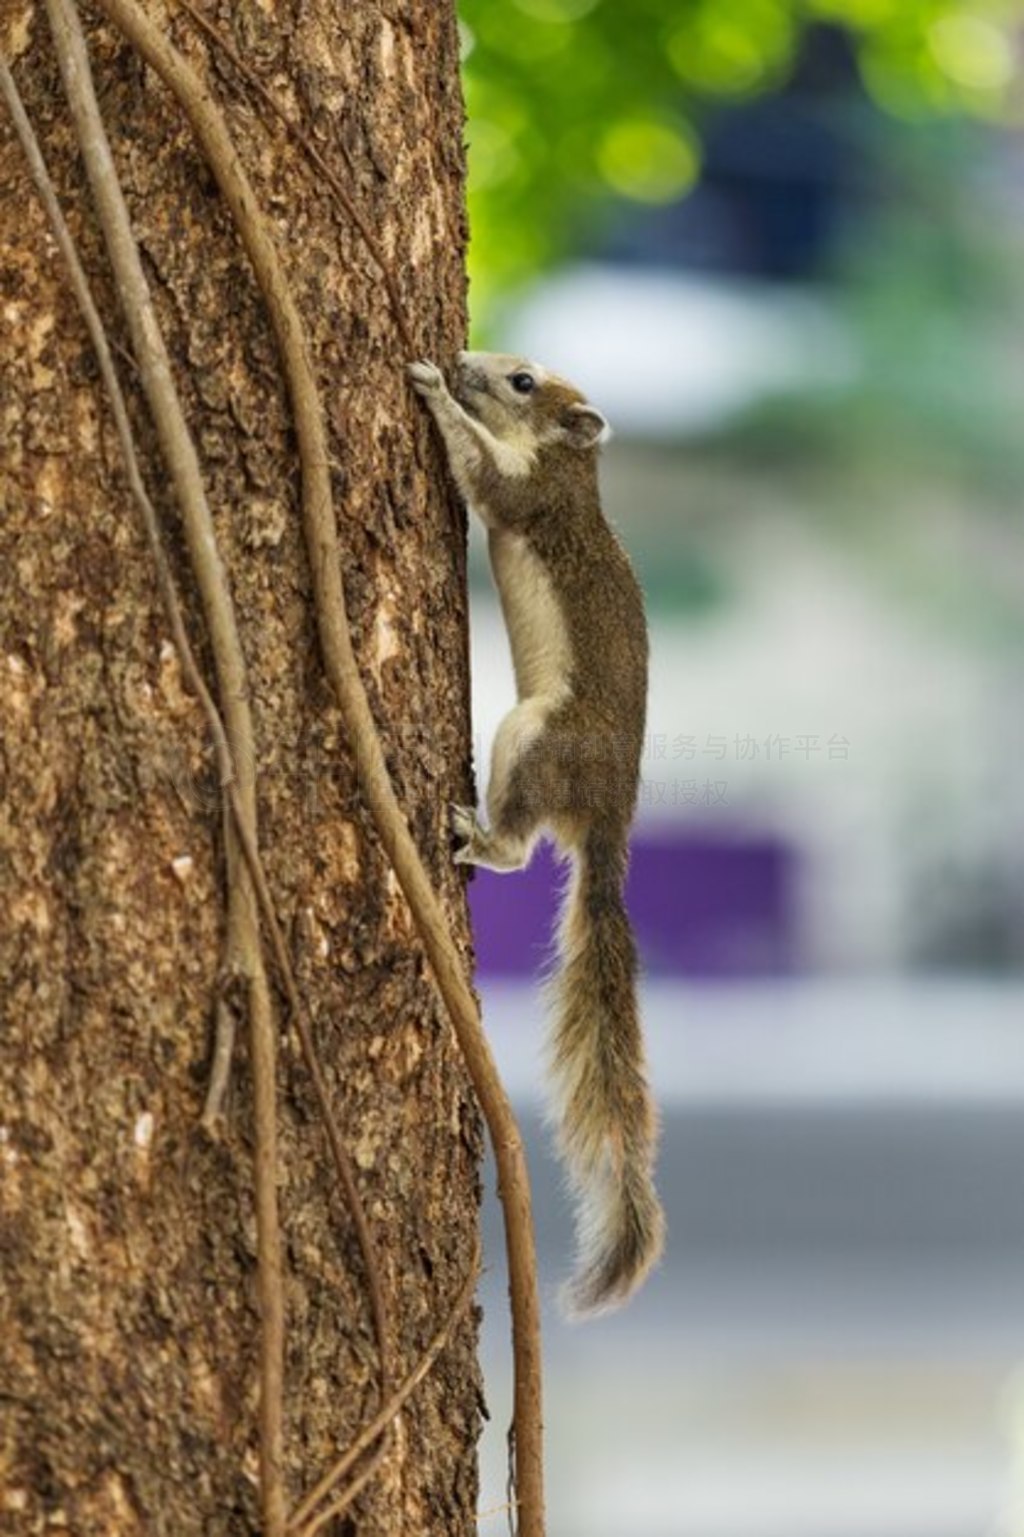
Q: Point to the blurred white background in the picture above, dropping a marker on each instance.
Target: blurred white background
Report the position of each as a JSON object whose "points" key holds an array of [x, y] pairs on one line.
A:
{"points": [[813, 364]]}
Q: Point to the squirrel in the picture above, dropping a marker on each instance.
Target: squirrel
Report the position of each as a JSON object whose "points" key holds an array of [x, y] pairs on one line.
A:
{"points": [[523, 446]]}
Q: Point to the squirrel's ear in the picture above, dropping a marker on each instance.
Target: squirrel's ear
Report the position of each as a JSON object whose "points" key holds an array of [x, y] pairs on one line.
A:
{"points": [[585, 427]]}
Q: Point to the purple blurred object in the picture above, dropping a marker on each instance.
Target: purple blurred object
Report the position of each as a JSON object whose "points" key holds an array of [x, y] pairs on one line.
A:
{"points": [[701, 907]]}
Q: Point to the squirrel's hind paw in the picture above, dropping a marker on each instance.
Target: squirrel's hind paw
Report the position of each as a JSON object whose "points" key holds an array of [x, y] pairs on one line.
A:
{"points": [[465, 829]]}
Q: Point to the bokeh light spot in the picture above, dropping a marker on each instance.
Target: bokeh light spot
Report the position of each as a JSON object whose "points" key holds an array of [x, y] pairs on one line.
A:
{"points": [[972, 51], [730, 53], [650, 162], [492, 153]]}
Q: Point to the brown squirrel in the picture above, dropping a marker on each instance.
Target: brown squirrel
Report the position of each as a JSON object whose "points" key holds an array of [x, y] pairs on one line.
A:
{"points": [[523, 448]]}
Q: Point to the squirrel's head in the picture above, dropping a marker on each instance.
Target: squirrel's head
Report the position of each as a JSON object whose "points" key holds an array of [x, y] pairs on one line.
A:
{"points": [[525, 404]]}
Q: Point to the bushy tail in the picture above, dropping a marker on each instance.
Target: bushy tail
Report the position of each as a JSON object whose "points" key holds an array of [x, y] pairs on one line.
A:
{"points": [[606, 1119]]}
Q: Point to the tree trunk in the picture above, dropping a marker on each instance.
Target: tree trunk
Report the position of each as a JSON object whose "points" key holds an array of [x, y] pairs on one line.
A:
{"points": [[127, 1258]]}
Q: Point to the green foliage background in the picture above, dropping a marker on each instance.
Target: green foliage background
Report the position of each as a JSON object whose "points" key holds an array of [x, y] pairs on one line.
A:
{"points": [[574, 103]]}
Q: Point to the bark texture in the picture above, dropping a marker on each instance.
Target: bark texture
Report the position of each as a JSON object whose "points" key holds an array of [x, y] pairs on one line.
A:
{"points": [[128, 1327]]}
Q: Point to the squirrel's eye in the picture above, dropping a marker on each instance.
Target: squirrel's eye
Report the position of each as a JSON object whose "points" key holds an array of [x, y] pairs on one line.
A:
{"points": [[522, 383]]}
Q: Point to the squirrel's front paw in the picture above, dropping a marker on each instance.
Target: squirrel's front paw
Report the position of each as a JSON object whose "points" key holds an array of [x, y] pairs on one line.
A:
{"points": [[425, 377]]}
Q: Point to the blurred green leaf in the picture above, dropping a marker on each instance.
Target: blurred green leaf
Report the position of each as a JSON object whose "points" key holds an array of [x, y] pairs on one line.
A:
{"points": [[574, 103]]}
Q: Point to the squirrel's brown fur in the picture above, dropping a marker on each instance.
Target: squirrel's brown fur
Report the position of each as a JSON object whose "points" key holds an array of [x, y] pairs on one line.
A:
{"points": [[523, 448], [606, 1124]]}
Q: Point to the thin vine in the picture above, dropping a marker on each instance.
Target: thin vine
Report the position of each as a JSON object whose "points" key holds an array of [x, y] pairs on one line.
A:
{"points": [[192, 674], [245, 954], [324, 555]]}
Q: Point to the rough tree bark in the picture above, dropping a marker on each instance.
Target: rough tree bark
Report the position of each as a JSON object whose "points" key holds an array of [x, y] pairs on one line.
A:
{"points": [[127, 1290]]}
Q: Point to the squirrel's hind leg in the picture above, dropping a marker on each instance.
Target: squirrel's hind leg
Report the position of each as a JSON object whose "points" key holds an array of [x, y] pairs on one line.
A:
{"points": [[515, 808]]}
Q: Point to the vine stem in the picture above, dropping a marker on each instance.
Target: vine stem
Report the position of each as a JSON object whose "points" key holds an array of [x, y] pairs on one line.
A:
{"points": [[377, 1428], [210, 129], [193, 676], [379, 1424], [244, 948]]}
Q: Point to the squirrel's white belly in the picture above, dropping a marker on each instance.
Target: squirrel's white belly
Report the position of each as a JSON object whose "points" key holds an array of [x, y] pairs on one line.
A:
{"points": [[537, 631]]}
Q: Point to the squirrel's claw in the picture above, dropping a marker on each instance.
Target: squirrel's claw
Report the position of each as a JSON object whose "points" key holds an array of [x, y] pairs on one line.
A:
{"points": [[425, 377], [463, 820], [464, 827]]}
